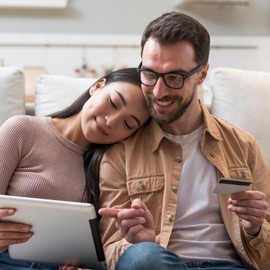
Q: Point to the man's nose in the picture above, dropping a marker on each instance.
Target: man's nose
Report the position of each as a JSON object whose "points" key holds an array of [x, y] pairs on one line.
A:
{"points": [[160, 89]]}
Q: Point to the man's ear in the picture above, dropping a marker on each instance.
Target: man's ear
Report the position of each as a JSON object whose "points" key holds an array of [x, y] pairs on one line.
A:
{"points": [[97, 86], [203, 74]]}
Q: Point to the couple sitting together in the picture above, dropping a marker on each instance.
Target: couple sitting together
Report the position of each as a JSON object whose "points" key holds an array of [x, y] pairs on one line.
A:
{"points": [[152, 189]]}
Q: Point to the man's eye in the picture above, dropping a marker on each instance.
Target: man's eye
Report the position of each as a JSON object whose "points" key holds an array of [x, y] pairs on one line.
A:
{"points": [[149, 74], [127, 125], [173, 77], [113, 103]]}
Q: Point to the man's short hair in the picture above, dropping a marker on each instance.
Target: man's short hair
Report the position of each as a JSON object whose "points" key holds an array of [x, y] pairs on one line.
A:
{"points": [[173, 27]]}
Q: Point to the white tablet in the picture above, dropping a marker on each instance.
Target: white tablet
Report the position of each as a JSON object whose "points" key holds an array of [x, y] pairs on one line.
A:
{"points": [[65, 233]]}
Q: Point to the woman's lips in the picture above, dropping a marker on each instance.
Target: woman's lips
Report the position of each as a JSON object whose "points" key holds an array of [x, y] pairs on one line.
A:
{"points": [[99, 128]]}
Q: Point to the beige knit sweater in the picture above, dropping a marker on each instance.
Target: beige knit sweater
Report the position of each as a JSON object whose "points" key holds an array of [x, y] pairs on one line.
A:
{"points": [[37, 161]]}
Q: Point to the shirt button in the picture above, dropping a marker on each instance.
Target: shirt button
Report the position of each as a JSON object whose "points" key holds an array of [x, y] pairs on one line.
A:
{"points": [[178, 159], [174, 189], [170, 217], [141, 186], [243, 175]]}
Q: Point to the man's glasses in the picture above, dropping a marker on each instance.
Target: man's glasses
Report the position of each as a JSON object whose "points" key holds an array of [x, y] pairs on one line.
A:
{"points": [[172, 80]]}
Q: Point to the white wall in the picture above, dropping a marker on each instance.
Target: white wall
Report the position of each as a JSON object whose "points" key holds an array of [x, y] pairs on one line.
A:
{"points": [[61, 54], [131, 17], [106, 33]]}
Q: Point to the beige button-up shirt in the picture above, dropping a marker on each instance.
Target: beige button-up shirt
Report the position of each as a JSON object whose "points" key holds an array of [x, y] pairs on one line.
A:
{"points": [[148, 166]]}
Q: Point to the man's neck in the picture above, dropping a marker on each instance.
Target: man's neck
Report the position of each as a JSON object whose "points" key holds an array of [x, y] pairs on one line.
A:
{"points": [[191, 120]]}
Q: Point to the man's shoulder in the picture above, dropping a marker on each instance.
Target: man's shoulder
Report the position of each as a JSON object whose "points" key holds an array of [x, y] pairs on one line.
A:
{"points": [[228, 130], [141, 135], [136, 143]]}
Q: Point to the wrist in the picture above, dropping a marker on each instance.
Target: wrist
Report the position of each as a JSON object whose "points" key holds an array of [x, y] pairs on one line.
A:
{"points": [[253, 233]]}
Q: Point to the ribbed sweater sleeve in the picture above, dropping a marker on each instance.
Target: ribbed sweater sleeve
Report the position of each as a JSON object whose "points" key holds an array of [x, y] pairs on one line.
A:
{"points": [[16, 136], [37, 161]]}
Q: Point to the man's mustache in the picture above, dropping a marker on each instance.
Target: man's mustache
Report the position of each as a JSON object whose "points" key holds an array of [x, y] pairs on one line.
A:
{"points": [[152, 97]]}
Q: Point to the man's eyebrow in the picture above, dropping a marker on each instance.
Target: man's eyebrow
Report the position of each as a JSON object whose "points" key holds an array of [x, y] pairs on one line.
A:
{"points": [[178, 71], [122, 98], [137, 120]]}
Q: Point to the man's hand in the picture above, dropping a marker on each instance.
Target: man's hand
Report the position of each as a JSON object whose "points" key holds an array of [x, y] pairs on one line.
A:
{"points": [[135, 224], [251, 207], [12, 233]]}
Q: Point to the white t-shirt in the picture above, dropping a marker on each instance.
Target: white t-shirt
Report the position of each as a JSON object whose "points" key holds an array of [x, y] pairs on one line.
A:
{"points": [[198, 232]]}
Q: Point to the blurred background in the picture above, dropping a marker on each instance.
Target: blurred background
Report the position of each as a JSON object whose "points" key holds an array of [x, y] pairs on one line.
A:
{"points": [[89, 38]]}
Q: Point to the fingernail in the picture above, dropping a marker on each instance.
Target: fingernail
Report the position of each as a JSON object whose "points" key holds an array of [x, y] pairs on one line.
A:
{"points": [[25, 240], [230, 207], [28, 235], [26, 228], [11, 212], [142, 220]]}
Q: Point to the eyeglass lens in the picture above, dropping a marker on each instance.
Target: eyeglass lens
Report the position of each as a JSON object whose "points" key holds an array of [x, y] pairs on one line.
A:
{"points": [[172, 80]]}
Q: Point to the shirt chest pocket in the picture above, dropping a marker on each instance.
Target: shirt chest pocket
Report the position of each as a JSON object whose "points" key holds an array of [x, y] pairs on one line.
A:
{"points": [[241, 174], [150, 190]]}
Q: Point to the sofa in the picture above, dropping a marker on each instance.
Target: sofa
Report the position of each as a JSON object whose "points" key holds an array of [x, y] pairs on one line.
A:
{"points": [[237, 96], [52, 93], [12, 94], [241, 98]]}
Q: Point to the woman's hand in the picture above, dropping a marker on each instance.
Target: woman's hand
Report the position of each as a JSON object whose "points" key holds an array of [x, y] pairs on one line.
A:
{"points": [[12, 233]]}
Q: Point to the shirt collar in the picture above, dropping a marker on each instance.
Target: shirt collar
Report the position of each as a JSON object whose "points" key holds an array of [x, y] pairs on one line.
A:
{"points": [[209, 123]]}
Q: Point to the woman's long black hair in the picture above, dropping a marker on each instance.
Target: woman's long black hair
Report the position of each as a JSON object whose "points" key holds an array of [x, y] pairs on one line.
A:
{"points": [[94, 152]]}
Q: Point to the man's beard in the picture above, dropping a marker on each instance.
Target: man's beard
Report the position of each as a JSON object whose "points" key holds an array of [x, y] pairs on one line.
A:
{"points": [[175, 115]]}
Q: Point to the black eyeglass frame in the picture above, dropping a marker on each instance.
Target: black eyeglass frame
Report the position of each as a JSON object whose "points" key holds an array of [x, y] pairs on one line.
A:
{"points": [[184, 76]]}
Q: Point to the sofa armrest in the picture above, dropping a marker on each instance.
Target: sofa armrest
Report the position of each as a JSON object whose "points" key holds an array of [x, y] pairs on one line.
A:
{"points": [[12, 93]]}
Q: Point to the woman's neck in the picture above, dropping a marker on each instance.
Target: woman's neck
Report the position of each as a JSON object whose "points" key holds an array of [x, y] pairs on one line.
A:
{"points": [[71, 129]]}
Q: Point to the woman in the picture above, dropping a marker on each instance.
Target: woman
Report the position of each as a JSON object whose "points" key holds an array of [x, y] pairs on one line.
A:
{"points": [[44, 157]]}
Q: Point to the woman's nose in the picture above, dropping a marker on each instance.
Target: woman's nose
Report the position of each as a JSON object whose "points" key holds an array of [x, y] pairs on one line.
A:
{"points": [[111, 121]]}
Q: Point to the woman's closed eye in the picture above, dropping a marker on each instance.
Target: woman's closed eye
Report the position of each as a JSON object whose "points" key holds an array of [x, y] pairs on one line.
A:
{"points": [[127, 125], [113, 104]]}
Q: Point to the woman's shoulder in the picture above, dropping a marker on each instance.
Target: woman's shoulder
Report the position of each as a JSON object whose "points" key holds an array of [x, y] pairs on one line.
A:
{"points": [[18, 122], [17, 134], [22, 127]]}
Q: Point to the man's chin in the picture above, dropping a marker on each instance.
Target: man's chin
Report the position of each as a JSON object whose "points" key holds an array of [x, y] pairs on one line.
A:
{"points": [[160, 118]]}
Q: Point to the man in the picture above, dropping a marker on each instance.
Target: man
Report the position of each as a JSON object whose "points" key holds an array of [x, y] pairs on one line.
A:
{"points": [[159, 211]]}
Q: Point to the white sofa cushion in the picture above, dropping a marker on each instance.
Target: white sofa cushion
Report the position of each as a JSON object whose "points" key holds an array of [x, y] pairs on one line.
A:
{"points": [[55, 93], [241, 97], [12, 93]]}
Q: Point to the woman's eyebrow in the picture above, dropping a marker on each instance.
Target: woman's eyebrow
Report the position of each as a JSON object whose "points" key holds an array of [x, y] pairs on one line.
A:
{"points": [[122, 98]]}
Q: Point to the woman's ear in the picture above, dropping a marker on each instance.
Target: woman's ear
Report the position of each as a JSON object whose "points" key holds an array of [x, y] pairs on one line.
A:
{"points": [[97, 86]]}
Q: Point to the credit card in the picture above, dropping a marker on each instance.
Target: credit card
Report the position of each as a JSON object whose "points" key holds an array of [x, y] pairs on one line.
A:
{"points": [[229, 186]]}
